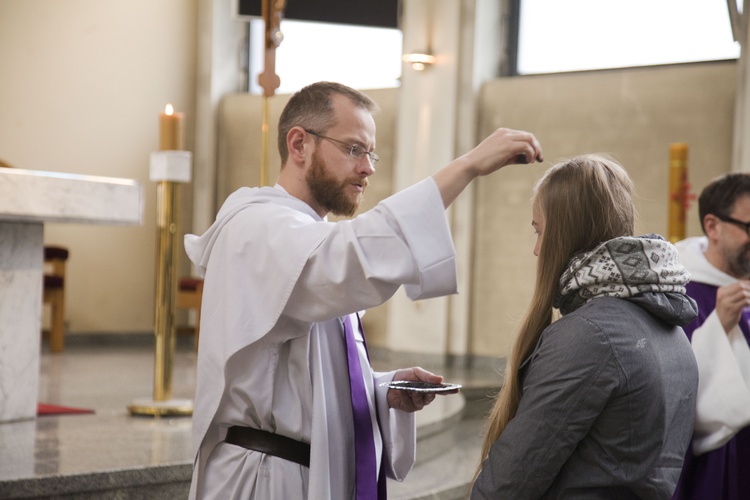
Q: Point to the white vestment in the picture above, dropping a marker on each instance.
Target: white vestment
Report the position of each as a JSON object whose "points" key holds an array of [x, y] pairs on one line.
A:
{"points": [[723, 404], [272, 355]]}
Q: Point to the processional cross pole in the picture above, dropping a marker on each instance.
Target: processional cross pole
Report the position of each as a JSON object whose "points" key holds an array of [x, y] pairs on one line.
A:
{"points": [[273, 11]]}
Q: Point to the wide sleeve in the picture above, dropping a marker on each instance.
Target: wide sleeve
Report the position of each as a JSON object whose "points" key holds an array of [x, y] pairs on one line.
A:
{"points": [[404, 240], [399, 430], [723, 403], [567, 383]]}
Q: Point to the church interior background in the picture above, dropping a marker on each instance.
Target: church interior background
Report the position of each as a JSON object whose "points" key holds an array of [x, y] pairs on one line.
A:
{"points": [[83, 88]]}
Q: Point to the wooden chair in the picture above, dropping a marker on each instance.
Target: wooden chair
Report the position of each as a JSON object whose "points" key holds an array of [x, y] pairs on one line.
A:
{"points": [[53, 289], [189, 296], [54, 293]]}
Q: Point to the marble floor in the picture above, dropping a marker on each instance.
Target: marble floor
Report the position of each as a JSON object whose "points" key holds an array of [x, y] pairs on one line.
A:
{"points": [[106, 375]]}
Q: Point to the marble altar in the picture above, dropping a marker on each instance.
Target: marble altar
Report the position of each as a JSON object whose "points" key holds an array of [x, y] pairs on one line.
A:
{"points": [[28, 199]]}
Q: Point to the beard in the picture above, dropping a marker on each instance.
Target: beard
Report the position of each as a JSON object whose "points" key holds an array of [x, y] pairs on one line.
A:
{"points": [[330, 193], [738, 261]]}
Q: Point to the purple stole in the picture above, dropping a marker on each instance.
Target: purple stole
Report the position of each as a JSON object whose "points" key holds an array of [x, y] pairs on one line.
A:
{"points": [[368, 486]]}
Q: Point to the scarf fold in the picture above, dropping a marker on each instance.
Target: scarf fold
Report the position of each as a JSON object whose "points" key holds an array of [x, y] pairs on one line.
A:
{"points": [[621, 267]]}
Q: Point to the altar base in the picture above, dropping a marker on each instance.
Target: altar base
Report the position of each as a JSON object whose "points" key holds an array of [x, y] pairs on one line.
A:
{"points": [[21, 274], [28, 199]]}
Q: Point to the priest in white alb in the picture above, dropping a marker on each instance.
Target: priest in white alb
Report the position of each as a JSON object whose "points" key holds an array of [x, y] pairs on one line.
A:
{"points": [[287, 404]]}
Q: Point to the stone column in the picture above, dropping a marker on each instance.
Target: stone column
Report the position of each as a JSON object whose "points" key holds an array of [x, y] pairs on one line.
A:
{"points": [[436, 123], [740, 147], [21, 275]]}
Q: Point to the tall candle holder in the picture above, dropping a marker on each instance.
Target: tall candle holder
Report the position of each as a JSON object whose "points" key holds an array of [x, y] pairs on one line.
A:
{"points": [[678, 191], [168, 167]]}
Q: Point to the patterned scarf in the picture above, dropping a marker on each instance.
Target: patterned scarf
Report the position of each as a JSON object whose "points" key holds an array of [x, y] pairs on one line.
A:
{"points": [[621, 267]]}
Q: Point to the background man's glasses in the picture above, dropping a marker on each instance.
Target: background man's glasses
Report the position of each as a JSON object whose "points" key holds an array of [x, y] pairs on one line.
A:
{"points": [[354, 150], [743, 225]]}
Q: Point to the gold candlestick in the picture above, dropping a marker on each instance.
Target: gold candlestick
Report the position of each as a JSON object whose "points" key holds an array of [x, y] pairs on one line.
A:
{"points": [[677, 191], [169, 166], [166, 290]]}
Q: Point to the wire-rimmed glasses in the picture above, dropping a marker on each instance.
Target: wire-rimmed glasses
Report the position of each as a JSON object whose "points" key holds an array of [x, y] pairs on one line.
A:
{"points": [[355, 150]]}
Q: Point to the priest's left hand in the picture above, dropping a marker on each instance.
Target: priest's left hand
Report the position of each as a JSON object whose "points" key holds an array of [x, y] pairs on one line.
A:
{"points": [[411, 401]]}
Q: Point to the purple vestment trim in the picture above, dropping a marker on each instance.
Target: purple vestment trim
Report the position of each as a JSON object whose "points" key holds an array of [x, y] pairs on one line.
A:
{"points": [[364, 441], [724, 473]]}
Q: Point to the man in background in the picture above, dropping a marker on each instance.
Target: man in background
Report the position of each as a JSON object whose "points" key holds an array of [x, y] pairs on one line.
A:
{"points": [[718, 465]]}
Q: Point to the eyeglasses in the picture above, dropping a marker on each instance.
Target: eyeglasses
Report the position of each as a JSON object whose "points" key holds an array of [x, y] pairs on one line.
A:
{"points": [[743, 225], [354, 150]]}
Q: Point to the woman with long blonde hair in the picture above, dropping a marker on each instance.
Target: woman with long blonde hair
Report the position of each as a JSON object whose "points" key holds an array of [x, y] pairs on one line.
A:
{"points": [[599, 403]]}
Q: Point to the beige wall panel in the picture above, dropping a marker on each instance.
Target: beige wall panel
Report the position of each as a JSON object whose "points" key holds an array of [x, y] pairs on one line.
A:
{"points": [[83, 83], [633, 115]]}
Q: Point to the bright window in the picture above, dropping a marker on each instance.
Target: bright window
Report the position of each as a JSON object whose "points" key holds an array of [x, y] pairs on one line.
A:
{"points": [[361, 57], [572, 35]]}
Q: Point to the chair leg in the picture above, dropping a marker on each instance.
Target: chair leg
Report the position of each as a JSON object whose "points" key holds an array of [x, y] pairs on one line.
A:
{"points": [[57, 323], [199, 291], [197, 328]]}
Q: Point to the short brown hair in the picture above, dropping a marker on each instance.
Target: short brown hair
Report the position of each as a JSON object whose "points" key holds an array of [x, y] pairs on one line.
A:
{"points": [[312, 108], [719, 196]]}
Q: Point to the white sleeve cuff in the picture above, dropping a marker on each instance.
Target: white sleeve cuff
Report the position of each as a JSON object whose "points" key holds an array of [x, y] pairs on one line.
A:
{"points": [[399, 430], [421, 217], [723, 403]]}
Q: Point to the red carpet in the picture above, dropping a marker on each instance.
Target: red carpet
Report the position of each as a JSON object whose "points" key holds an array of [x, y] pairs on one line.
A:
{"points": [[45, 409]]}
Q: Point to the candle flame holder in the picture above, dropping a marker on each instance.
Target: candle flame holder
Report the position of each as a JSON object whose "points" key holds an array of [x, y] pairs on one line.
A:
{"points": [[168, 168]]}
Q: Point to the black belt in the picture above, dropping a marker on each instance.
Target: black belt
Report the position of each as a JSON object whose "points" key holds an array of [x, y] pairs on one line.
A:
{"points": [[270, 443]]}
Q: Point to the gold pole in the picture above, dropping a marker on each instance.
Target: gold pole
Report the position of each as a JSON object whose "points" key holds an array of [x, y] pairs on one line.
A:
{"points": [[677, 191], [162, 403], [166, 290], [272, 11], [264, 143]]}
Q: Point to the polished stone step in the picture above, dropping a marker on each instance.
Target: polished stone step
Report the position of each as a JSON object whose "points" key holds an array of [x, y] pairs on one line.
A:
{"points": [[112, 455]]}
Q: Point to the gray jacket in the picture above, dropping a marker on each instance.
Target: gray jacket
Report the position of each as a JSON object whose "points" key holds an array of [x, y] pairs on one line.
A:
{"points": [[607, 407]]}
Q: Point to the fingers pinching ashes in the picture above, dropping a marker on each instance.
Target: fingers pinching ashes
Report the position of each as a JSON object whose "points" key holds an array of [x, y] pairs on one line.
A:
{"points": [[534, 152], [508, 146], [501, 148], [523, 159]]}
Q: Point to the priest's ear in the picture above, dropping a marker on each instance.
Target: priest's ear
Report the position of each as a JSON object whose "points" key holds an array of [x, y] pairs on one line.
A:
{"points": [[297, 143], [710, 226]]}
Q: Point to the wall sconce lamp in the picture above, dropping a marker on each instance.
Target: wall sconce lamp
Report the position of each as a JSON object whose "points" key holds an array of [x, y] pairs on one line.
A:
{"points": [[419, 60]]}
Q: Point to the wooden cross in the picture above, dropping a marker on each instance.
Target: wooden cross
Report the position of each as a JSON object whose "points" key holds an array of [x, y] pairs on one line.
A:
{"points": [[272, 11]]}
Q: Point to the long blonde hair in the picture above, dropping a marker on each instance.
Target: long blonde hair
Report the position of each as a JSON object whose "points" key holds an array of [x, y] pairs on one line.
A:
{"points": [[584, 201]]}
